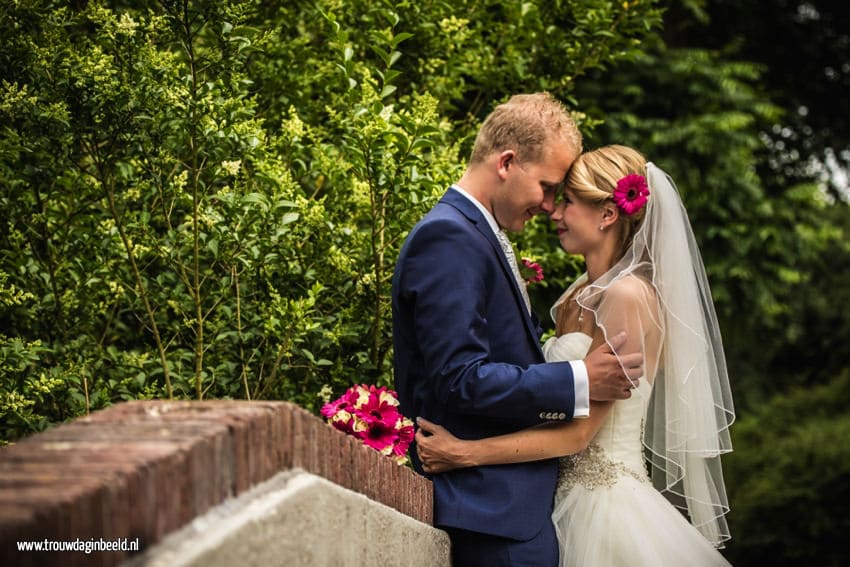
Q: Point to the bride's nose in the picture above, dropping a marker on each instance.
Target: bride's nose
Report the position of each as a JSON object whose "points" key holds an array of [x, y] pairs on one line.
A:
{"points": [[557, 212]]}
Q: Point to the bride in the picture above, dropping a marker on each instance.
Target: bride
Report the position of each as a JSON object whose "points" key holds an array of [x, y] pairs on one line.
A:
{"points": [[626, 469]]}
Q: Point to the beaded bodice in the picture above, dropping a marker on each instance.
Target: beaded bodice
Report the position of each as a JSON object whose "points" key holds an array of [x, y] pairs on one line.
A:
{"points": [[617, 448]]}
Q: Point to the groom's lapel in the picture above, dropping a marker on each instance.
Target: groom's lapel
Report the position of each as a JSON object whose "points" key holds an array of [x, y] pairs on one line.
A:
{"points": [[471, 212]]}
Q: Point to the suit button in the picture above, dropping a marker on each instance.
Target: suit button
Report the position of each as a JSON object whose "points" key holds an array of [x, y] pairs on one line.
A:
{"points": [[550, 415], [562, 416], [542, 415]]}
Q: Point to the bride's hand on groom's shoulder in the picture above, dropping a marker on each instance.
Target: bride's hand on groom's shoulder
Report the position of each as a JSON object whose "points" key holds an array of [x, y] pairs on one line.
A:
{"points": [[612, 375]]}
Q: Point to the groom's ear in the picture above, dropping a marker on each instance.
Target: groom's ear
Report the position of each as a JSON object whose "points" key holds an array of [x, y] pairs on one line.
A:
{"points": [[505, 161]]}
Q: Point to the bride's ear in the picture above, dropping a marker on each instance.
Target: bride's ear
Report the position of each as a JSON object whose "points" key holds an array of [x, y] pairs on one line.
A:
{"points": [[610, 215]]}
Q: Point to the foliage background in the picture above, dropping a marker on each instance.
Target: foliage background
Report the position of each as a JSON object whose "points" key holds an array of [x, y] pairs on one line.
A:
{"points": [[205, 200]]}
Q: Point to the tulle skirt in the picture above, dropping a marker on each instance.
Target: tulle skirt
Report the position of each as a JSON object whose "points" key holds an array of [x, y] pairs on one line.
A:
{"points": [[629, 524]]}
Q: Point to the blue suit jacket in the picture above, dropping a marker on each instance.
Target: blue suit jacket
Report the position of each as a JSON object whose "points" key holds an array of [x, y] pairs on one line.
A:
{"points": [[467, 356]]}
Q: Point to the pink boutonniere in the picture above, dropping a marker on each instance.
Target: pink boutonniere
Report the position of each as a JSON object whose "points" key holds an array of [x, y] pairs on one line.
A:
{"points": [[531, 271]]}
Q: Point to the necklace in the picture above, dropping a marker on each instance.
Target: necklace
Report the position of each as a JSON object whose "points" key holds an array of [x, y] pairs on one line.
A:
{"points": [[580, 311], [576, 295]]}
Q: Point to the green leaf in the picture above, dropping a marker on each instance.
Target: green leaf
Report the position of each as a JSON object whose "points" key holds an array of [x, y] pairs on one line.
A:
{"points": [[289, 218], [398, 38]]}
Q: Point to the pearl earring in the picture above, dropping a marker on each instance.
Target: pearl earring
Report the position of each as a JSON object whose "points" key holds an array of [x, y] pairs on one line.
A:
{"points": [[602, 227]]}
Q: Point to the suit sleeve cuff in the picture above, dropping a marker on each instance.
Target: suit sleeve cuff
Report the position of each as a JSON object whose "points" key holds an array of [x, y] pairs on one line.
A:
{"points": [[582, 389]]}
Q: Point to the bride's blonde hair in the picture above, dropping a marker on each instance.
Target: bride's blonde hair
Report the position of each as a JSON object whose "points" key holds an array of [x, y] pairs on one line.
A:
{"points": [[592, 179], [594, 176]]}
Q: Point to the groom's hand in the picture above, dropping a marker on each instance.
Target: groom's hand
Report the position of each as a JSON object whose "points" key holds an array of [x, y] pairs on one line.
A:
{"points": [[612, 377]]}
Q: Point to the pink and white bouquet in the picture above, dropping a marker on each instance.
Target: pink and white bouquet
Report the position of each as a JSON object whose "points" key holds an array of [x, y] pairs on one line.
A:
{"points": [[371, 414]]}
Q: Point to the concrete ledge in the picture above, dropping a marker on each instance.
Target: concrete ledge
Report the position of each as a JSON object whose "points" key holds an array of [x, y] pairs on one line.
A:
{"points": [[141, 470], [300, 519]]}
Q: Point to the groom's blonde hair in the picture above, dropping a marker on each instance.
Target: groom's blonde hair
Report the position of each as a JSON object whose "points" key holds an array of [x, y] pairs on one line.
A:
{"points": [[527, 124]]}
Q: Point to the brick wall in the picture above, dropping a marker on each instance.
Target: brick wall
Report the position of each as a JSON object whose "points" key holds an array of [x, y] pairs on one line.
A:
{"points": [[143, 469]]}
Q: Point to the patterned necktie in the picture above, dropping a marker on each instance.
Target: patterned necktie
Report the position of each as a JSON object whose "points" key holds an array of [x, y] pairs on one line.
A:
{"points": [[508, 249]]}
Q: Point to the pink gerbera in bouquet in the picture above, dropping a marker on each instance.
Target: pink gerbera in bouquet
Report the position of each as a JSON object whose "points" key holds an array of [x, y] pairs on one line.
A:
{"points": [[371, 414]]}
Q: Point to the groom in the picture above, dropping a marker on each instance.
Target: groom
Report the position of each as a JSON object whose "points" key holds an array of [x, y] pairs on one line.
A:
{"points": [[467, 347]]}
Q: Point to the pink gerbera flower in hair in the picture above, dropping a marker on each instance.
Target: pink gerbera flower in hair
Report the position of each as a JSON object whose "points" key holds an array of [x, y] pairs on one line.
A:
{"points": [[631, 193]]}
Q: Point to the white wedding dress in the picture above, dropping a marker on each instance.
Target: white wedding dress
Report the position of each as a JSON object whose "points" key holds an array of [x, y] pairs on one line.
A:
{"points": [[607, 513]]}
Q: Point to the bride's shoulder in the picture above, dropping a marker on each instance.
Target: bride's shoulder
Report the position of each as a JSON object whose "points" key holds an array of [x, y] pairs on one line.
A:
{"points": [[632, 298], [630, 289]]}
